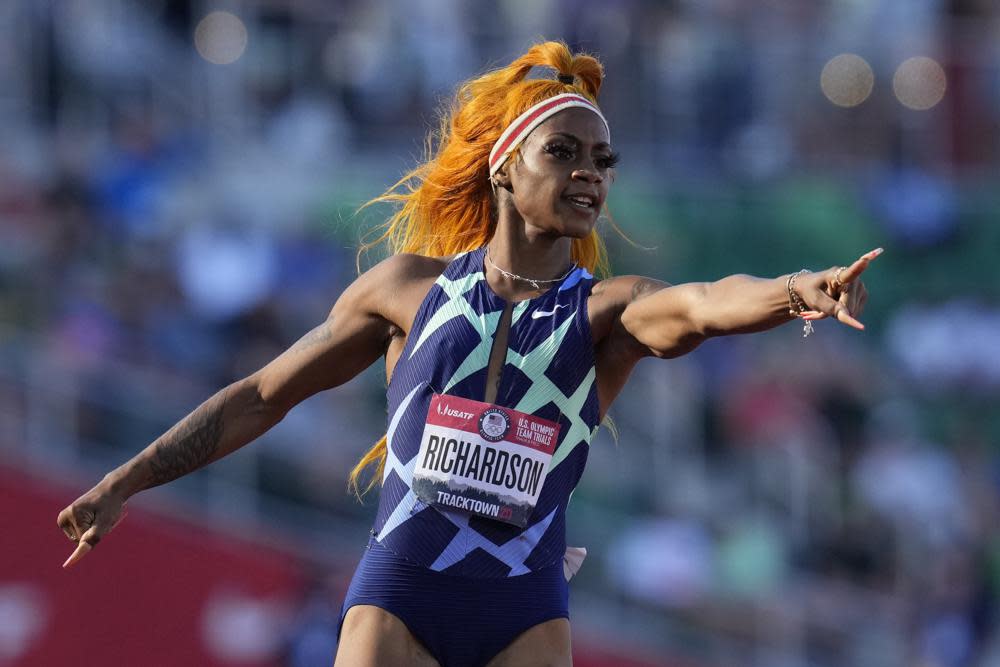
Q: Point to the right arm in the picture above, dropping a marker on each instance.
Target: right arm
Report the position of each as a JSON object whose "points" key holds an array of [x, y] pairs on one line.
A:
{"points": [[355, 334]]}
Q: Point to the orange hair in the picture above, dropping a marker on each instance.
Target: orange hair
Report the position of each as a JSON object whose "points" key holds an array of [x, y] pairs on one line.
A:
{"points": [[446, 203]]}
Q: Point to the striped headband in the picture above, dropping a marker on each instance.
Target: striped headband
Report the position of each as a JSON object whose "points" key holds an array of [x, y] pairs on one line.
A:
{"points": [[524, 124]]}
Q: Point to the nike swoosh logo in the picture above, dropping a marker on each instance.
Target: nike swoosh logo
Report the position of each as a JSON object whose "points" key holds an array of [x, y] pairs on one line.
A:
{"points": [[547, 313]]}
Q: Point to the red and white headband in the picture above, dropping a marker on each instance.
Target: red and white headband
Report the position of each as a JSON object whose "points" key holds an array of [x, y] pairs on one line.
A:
{"points": [[524, 124]]}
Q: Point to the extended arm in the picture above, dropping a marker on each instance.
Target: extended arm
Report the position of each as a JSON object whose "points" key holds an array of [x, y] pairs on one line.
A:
{"points": [[671, 320], [354, 335], [329, 355]]}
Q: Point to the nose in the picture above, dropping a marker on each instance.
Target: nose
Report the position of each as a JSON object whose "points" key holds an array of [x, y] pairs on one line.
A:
{"points": [[587, 175]]}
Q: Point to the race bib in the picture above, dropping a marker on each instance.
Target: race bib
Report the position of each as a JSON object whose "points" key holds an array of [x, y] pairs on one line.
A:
{"points": [[483, 459]]}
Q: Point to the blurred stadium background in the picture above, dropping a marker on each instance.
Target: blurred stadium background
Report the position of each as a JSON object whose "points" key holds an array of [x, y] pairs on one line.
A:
{"points": [[178, 186]]}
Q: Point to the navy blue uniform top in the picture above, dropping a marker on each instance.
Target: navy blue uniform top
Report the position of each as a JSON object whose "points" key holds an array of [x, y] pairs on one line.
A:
{"points": [[549, 372]]}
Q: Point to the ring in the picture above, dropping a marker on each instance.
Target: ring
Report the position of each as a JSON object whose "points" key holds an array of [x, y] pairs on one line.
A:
{"points": [[837, 283]]}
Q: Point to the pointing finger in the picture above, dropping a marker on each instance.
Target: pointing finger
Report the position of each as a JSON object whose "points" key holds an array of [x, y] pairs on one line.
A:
{"points": [[857, 268], [82, 549], [88, 541]]}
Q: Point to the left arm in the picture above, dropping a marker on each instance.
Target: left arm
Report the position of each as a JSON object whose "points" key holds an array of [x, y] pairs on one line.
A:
{"points": [[671, 321]]}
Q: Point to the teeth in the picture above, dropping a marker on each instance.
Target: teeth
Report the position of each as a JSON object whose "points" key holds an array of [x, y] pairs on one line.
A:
{"points": [[582, 201]]}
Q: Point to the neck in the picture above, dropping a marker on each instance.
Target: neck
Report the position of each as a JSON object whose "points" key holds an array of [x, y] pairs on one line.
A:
{"points": [[519, 270], [520, 248]]}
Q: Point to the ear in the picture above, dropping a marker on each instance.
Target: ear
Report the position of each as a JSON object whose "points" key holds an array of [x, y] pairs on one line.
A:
{"points": [[502, 178]]}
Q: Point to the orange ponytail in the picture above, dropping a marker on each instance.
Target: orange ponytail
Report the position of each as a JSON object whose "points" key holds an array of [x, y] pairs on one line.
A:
{"points": [[446, 203]]}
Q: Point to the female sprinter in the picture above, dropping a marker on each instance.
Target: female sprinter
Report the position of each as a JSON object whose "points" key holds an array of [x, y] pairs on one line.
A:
{"points": [[502, 353]]}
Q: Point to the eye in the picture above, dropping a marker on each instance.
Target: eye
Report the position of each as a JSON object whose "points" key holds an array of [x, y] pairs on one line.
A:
{"points": [[608, 161], [559, 151]]}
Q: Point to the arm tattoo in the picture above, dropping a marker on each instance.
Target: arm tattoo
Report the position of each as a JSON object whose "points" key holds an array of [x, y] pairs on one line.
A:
{"points": [[190, 444], [317, 336]]}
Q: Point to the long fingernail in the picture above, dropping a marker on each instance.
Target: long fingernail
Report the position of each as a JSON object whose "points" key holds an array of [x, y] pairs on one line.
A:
{"points": [[875, 253]]}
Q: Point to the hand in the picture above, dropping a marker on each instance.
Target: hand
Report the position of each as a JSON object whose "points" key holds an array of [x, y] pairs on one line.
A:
{"points": [[91, 516], [836, 292]]}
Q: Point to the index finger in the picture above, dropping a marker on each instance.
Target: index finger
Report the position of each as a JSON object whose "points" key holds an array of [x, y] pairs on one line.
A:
{"points": [[82, 549], [857, 268]]}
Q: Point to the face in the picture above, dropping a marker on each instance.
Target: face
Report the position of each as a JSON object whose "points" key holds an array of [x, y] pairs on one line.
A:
{"points": [[561, 179]]}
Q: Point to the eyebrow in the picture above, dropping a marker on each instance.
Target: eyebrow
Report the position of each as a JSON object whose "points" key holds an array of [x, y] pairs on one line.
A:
{"points": [[575, 139]]}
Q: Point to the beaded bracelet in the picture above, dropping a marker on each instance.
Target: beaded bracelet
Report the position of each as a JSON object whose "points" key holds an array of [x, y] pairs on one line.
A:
{"points": [[796, 306]]}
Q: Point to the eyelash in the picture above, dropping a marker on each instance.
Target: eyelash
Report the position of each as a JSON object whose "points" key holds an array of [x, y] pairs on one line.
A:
{"points": [[562, 152], [610, 161], [559, 151]]}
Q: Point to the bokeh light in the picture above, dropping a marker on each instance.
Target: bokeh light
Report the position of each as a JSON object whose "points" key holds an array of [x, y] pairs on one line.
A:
{"points": [[920, 83], [847, 80], [220, 38], [169, 224]]}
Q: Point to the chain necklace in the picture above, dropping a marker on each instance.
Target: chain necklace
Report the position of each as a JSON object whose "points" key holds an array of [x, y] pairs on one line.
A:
{"points": [[536, 283]]}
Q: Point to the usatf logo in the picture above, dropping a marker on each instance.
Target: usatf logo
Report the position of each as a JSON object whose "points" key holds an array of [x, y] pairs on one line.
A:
{"points": [[494, 424], [448, 411]]}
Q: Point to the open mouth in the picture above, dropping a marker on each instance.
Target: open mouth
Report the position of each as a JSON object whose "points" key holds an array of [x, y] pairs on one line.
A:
{"points": [[585, 202]]}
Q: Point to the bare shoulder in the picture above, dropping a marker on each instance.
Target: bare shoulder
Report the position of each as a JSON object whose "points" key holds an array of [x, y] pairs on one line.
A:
{"points": [[609, 298], [395, 287], [407, 267]]}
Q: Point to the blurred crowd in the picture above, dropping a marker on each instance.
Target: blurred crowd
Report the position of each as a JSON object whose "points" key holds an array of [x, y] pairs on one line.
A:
{"points": [[169, 224]]}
